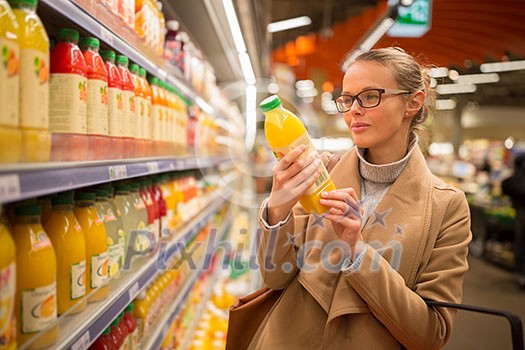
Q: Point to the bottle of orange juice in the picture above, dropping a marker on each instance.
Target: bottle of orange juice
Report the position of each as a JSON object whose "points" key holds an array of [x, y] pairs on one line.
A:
{"points": [[36, 301], [7, 288], [140, 106], [34, 82], [147, 133], [96, 246], [69, 241], [10, 136], [157, 114], [284, 131]]}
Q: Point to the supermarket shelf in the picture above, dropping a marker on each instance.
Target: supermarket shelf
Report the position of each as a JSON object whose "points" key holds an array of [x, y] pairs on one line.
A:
{"points": [[156, 338], [99, 24], [32, 180], [79, 331]]}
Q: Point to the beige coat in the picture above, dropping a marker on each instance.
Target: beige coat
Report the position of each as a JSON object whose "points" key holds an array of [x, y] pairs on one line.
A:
{"points": [[417, 248]]}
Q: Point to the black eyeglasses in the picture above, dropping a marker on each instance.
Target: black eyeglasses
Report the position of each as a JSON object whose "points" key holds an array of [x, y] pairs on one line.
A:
{"points": [[368, 98]]}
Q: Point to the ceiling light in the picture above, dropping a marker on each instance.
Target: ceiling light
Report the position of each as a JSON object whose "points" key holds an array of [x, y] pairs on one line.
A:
{"points": [[273, 88], [502, 66], [438, 72], [445, 89], [203, 105], [478, 78], [304, 84], [233, 22], [289, 24], [453, 74], [445, 104], [247, 69], [433, 82], [509, 142]]}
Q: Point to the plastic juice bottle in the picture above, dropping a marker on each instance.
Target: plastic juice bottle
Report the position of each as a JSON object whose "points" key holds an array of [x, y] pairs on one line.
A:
{"points": [[7, 288], [147, 119], [124, 330], [141, 312], [157, 114], [164, 120], [127, 212], [96, 246], [115, 105], [117, 335], [285, 131], [35, 280], [172, 45], [69, 242], [128, 102], [151, 208], [104, 342], [106, 212], [169, 199], [120, 225], [162, 209], [34, 82], [141, 213], [97, 99], [162, 29], [10, 135], [156, 205], [140, 106], [45, 207], [131, 325], [68, 99]]}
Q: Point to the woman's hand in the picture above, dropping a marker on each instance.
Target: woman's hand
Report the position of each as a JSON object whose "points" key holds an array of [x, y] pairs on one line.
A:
{"points": [[292, 175], [345, 214]]}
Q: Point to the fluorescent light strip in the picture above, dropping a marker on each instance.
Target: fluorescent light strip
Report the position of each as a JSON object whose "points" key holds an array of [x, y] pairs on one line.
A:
{"points": [[445, 89], [247, 69], [502, 66], [377, 34], [438, 72], [231, 16], [478, 78], [289, 24], [445, 104]]}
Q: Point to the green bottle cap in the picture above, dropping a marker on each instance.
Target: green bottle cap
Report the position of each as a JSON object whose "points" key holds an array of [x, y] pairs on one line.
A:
{"points": [[61, 200], [153, 80], [134, 68], [129, 307], [85, 196], [270, 103], [68, 35], [122, 60], [16, 3], [108, 55], [142, 72], [122, 188], [27, 210], [89, 43]]}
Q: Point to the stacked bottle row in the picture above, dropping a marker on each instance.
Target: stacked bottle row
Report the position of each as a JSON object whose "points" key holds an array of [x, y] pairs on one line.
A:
{"points": [[121, 334], [70, 245]]}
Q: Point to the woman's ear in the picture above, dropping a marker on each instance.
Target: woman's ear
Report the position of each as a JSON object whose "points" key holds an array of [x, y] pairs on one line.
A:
{"points": [[415, 103]]}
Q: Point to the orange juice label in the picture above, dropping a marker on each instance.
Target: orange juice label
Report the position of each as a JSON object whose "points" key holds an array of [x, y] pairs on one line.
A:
{"points": [[7, 305], [115, 113], [34, 89], [97, 107], [78, 276], [304, 139], [128, 103], [114, 252], [10, 78], [67, 103], [98, 274], [38, 309], [39, 241], [157, 117]]}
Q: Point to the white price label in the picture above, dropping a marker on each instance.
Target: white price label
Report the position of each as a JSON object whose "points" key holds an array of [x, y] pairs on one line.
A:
{"points": [[117, 172], [106, 36], [153, 167], [133, 291], [9, 187], [82, 342]]}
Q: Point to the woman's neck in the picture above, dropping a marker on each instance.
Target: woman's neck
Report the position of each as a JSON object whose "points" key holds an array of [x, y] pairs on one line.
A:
{"points": [[389, 152]]}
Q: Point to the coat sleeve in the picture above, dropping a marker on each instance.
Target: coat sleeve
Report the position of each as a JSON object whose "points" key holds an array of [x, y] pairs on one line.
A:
{"points": [[276, 248], [402, 310]]}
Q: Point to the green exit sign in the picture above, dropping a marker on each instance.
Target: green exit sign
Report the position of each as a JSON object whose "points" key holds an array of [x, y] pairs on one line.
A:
{"points": [[412, 21]]}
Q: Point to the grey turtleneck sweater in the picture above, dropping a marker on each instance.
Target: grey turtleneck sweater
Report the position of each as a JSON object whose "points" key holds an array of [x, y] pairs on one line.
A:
{"points": [[376, 179]]}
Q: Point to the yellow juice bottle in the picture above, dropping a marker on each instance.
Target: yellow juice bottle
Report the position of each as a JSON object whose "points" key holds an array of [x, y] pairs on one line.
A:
{"points": [[36, 302], [284, 131], [7, 288], [92, 224], [69, 242], [34, 82], [10, 136]]}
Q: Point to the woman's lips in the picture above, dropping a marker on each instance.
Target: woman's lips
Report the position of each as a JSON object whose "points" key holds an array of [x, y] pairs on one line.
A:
{"points": [[359, 127]]}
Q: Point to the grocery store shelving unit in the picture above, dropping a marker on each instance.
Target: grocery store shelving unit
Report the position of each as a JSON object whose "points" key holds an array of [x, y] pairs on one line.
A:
{"points": [[158, 334]]}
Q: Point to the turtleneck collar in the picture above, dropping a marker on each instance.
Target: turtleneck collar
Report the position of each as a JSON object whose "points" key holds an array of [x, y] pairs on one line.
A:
{"points": [[384, 173]]}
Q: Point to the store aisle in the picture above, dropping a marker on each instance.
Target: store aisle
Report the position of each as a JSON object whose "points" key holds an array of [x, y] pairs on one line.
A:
{"points": [[489, 286]]}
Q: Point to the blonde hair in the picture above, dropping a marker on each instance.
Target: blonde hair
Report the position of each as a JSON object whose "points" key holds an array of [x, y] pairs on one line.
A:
{"points": [[409, 75]]}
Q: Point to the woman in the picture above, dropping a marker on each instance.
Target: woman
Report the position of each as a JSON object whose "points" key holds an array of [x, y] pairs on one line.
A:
{"points": [[394, 233]]}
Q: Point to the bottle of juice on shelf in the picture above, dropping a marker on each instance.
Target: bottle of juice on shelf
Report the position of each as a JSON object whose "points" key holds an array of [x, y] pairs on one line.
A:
{"points": [[140, 106], [124, 205], [140, 217], [36, 279], [110, 222], [128, 103], [10, 135], [147, 132], [141, 311], [115, 105], [117, 335], [68, 99], [104, 342], [69, 242], [166, 123], [97, 99], [169, 199], [34, 82], [285, 131], [156, 204], [131, 325], [7, 288], [145, 194], [157, 114], [45, 207], [121, 233], [172, 45], [96, 246], [161, 207], [162, 30], [124, 330]]}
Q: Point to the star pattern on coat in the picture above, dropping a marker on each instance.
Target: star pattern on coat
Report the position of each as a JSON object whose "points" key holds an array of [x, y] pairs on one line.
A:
{"points": [[317, 221], [400, 230], [291, 239], [379, 217]]}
